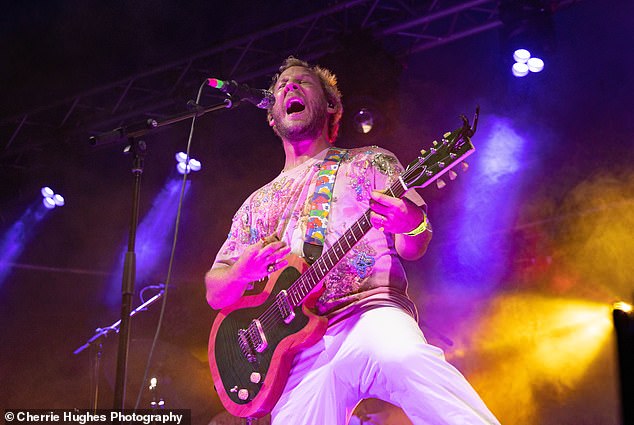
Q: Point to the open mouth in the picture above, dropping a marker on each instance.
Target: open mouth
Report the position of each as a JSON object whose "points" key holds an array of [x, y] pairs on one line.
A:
{"points": [[294, 105]]}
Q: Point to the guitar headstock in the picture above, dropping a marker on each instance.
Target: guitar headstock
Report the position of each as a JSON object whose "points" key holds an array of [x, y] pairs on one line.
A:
{"points": [[439, 159]]}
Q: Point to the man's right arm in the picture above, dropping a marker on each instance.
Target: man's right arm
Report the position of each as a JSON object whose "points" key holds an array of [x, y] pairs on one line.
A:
{"points": [[223, 286], [225, 283]]}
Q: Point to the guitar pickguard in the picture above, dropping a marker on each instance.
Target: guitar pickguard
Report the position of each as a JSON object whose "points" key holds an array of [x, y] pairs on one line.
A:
{"points": [[244, 377]]}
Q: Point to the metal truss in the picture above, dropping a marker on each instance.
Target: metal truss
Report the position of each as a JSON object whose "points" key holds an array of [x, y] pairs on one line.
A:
{"points": [[403, 27]]}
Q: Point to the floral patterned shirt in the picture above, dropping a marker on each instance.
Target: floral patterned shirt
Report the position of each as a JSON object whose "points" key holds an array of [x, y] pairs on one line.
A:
{"points": [[372, 269]]}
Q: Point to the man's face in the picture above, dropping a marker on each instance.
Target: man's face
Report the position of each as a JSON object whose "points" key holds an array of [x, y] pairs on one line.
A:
{"points": [[300, 110]]}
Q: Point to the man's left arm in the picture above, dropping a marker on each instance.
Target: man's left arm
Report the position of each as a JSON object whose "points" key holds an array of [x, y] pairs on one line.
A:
{"points": [[403, 218]]}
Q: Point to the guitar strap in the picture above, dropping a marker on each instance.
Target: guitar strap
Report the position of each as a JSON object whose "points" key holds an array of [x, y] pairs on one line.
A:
{"points": [[319, 208]]}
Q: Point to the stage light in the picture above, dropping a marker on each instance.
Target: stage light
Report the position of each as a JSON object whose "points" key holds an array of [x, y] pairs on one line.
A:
{"points": [[59, 200], [535, 65], [528, 32], [184, 166], [47, 192], [521, 55], [51, 199], [194, 164], [524, 63], [622, 306], [363, 121], [558, 340], [520, 69], [48, 203], [17, 237], [152, 247]]}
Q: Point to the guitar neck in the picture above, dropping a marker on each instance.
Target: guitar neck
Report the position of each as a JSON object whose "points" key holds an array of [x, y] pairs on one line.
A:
{"points": [[328, 260], [454, 148]]}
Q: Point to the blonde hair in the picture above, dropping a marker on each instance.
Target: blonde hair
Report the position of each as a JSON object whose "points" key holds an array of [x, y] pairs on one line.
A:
{"points": [[329, 85]]}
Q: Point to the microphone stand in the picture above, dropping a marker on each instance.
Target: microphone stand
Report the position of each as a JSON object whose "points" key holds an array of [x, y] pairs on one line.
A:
{"points": [[102, 333], [138, 148]]}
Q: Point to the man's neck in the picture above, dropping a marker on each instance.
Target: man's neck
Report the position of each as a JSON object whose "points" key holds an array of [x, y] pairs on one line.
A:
{"points": [[298, 152]]}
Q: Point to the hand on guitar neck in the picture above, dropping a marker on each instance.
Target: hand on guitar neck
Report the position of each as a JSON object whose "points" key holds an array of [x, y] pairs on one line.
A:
{"points": [[399, 216], [226, 283]]}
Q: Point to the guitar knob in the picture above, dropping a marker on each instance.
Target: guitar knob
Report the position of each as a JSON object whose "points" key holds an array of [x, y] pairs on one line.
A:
{"points": [[256, 378], [243, 394]]}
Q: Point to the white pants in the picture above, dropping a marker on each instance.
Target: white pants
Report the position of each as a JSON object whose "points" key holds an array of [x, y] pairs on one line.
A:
{"points": [[380, 353]]}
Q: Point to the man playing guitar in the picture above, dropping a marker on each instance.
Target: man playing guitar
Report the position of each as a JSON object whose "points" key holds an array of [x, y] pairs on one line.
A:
{"points": [[360, 337]]}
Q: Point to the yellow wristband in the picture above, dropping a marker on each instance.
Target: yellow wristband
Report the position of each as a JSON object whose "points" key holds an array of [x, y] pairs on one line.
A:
{"points": [[421, 227]]}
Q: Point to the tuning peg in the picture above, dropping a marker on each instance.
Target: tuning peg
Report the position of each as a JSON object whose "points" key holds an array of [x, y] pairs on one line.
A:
{"points": [[423, 152], [435, 143], [452, 175], [447, 134], [464, 166], [440, 183]]}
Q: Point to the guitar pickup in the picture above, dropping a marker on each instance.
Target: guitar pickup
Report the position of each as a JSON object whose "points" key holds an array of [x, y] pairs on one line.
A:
{"points": [[284, 307], [257, 336]]}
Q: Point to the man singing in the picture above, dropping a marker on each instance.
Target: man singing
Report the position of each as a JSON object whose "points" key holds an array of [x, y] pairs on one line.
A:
{"points": [[373, 346]]}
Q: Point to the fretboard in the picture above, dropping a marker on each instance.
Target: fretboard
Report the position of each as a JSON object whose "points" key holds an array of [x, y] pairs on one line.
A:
{"points": [[328, 260]]}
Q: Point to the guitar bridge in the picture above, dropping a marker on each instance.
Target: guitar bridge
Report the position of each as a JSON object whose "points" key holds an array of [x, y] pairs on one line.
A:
{"points": [[258, 339], [252, 338], [245, 346], [284, 306]]}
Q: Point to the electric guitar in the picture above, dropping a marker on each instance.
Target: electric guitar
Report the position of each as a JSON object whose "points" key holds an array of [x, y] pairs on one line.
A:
{"points": [[253, 342]]}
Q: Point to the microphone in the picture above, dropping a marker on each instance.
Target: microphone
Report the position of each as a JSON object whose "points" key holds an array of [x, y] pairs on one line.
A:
{"points": [[263, 99]]}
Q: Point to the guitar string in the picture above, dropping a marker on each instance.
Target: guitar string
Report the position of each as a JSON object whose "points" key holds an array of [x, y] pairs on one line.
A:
{"points": [[314, 273], [271, 316], [272, 312]]}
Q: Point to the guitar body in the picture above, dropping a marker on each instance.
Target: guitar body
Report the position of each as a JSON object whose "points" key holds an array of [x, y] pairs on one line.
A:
{"points": [[233, 371]]}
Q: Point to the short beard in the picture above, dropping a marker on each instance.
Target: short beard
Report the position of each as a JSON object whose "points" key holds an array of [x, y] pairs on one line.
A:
{"points": [[311, 130]]}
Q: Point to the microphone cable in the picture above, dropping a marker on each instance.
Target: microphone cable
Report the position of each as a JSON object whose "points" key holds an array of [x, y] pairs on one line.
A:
{"points": [[171, 258]]}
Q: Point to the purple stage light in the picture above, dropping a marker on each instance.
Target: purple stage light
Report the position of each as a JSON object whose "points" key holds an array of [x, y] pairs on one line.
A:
{"points": [[51, 199], [47, 192], [535, 65], [521, 55], [184, 166], [194, 164], [153, 240], [520, 69], [481, 249], [524, 63], [49, 203], [18, 236]]}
